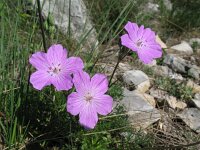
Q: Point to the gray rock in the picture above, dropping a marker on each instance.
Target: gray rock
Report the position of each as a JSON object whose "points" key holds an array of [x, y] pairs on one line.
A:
{"points": [[183, 47], [177, 63], [108, 67], [194, 40], [141, 113], [152, 7], [167, 72], [163, 96], [162, 70], [194, 72], [168, 4], [181, 105], [191, 116], [80, 22], [195, 87], [123, 67], [196, 100], [198, 51], [136, 79], [158, 94], [175, 76], [148, 98], [151, 64]]}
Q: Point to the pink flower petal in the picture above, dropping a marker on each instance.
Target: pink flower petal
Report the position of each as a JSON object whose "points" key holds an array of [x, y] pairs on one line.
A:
{"points": [[99, 83], [74, 65], [144, 57], [147, 54], [81, 81], [88, 117], [103, 104], [126, 41], [154, 53], [149, 34], [62, 82], [39, 61], [140, 32], [56, 53], [39, 79], [74, 103], [132, 29]]}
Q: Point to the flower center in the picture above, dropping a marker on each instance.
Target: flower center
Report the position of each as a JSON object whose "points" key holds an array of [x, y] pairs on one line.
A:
{"points": [[54, 70], [88, 97], [140, 43]]}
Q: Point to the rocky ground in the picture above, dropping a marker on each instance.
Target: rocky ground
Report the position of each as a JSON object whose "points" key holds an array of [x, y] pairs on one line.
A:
{"points": [[163, 97]]}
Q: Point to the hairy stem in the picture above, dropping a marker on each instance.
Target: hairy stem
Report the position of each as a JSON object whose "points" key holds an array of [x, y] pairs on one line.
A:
{"points": [[117, 64]]}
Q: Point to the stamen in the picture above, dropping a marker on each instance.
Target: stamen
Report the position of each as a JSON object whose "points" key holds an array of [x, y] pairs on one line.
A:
{"points": [[54, 70], [88, 97]]}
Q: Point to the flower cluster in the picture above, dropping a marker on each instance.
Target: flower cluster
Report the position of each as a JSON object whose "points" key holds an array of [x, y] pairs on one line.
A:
{"points": [[90, 98], [55, 68]]}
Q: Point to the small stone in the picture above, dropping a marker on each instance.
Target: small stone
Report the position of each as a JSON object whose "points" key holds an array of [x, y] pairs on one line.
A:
{"points": [[167, 72], [198, 51], [171, 101], [177, 63], [152, 7], [194, 40], [148, 98], [181, 105], [184, 47], [191, 116], [158, 94], [161, 70], [163, 96], [195, 87], [192, 59], [196, 100], [136, 79], [159, 41], [153, 63], [141, 113], [123, 67], [194, 72], [168, 4]]}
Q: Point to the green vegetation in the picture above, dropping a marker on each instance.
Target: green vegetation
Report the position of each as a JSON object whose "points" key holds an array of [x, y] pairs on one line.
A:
{"points": [[179, 90], [39, 119], [186, 13]]}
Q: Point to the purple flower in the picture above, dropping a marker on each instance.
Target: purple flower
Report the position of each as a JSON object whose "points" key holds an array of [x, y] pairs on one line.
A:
{"points": [[54, 68], [89, 99], [143, 41]]}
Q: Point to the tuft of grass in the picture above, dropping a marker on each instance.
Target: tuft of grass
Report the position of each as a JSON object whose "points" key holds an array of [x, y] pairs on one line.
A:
{"points": [[116, 91], [186, 13], [179, 90], [104, 14]]}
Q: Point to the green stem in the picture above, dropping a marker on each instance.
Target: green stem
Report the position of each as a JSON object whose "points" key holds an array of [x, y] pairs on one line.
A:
{"points": [[117, 64], [41, 25]]}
